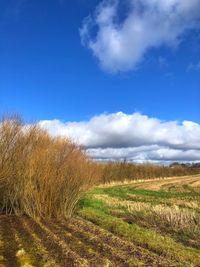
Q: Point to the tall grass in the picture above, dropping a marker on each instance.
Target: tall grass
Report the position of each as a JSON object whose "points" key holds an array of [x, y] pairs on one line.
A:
{"points": [[40, 175]]}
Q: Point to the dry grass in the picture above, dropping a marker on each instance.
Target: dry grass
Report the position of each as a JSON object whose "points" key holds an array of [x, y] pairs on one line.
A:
{"points": [[173, 215], [170, 183]]}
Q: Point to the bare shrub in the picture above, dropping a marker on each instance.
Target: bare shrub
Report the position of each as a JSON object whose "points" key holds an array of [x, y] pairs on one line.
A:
{"points": [[40, 175]]}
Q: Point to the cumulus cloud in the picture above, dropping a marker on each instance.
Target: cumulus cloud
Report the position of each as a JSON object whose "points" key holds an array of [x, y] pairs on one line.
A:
{"points": [[145, 154], [120, 32], [134, 136]]}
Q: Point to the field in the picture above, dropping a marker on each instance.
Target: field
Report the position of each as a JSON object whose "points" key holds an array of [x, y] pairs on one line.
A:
{"points": [[152, 223]]}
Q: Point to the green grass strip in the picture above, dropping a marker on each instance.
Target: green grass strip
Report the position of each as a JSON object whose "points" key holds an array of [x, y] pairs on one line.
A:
{"points": [[124, 191], [96, 212]]}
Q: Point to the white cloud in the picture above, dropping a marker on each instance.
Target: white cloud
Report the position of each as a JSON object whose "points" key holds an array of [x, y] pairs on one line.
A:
{"points": [[145, 154], [120, 43], [133, 136]]}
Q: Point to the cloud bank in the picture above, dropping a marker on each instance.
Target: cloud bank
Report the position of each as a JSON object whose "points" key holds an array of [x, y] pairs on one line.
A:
{"points": [[135, 137], [120, 32]]}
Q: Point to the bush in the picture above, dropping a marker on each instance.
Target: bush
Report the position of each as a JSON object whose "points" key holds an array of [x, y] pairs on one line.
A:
{"points": [[40, 175]]}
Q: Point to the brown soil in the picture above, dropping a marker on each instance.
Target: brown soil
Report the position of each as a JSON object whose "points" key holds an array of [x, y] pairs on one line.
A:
{"points": [[75, 242]]}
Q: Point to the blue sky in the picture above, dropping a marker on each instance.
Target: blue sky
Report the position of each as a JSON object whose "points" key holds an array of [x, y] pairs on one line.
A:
{"points": [[55, 64]]}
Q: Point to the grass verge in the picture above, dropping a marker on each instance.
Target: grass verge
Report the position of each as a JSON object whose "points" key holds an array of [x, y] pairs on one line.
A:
{"points": [[97, 212]]}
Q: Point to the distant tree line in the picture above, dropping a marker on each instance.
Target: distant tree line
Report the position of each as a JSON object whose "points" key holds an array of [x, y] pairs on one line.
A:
{"points": [[120, 171]]}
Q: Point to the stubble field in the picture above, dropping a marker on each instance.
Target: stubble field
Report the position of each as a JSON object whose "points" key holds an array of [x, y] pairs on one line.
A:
{"points": [[152, 223]]}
